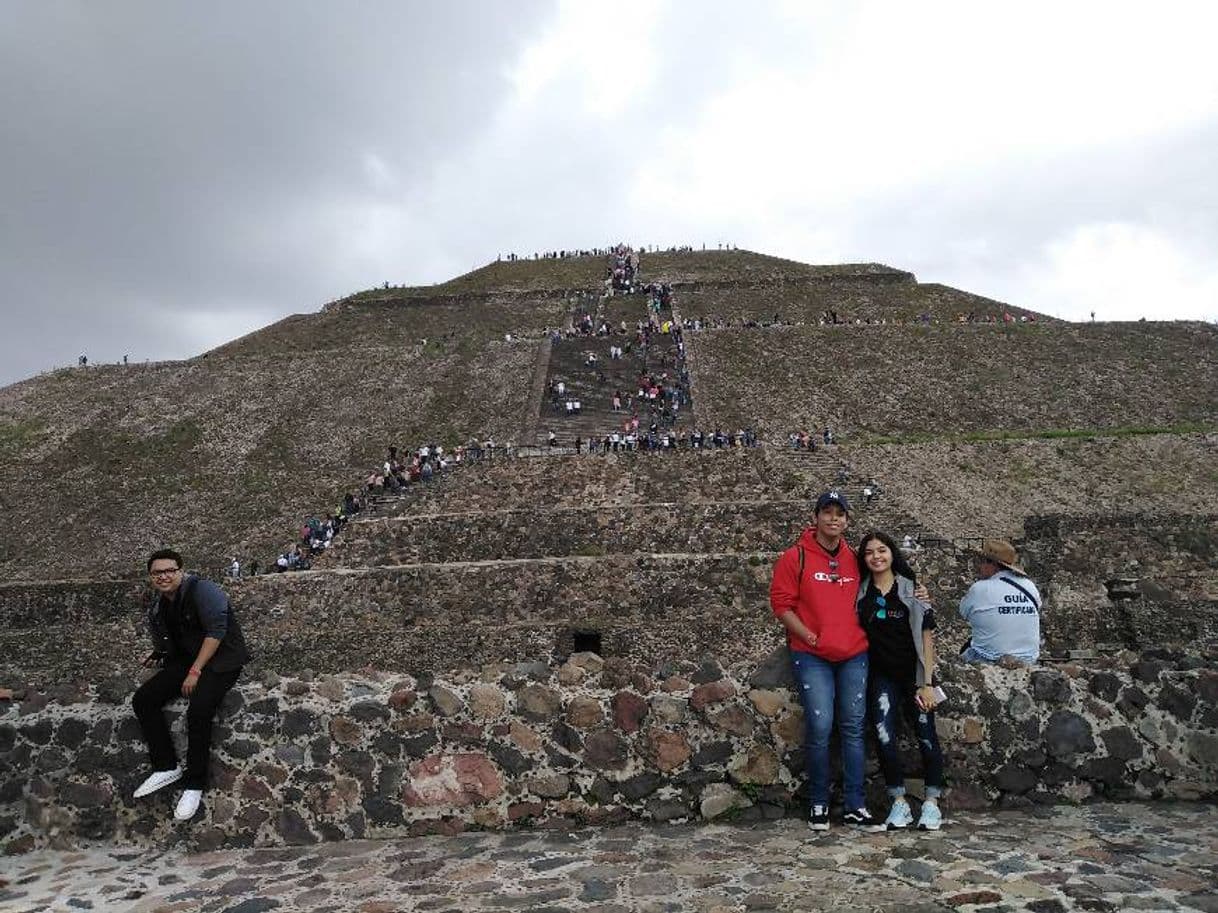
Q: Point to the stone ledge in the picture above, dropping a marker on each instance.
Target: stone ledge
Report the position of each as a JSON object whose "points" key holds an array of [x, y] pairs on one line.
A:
{"points": [[299, 760]]}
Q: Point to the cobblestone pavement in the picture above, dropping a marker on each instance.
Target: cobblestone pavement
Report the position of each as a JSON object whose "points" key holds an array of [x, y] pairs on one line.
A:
{"points": [[1095, 858]]}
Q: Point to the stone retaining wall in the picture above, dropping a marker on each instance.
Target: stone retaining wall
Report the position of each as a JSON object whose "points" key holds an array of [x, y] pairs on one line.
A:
{"points": [[1107, 582], [303, 759], [690, 476], [1129, 579], [427, 618], [542, 531]]}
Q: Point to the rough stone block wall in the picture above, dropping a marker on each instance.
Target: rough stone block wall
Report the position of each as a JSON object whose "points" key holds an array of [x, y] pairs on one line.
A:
{"points": [[645, 607], [1128, 579], [427, 618], [672, 528], [302, 759], [728, 475]]}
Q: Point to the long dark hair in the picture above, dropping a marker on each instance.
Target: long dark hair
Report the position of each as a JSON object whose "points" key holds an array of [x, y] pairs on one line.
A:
{"points": [[900, 566]]}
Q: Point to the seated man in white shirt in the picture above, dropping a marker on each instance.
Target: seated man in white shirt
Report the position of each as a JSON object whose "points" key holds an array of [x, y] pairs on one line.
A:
{"points": [[1003, 608]]}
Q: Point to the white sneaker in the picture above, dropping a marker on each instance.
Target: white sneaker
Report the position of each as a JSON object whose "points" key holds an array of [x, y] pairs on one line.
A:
{"points": [[158, 779], [931, 818], [901, 815], [818, 820], [188, 804]]}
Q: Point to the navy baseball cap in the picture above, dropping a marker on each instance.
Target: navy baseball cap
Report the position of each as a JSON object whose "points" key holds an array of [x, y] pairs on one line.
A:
{"points": [[833, 496]]}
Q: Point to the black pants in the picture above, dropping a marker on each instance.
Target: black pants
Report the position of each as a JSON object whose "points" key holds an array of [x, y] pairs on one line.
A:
{"points": [[158, 691]]}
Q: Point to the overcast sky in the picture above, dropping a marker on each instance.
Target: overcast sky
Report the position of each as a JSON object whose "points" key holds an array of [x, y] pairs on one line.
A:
{"points": [[175, 174]]}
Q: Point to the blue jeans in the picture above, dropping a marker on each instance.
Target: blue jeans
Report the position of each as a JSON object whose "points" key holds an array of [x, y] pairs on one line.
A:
{"points": [[886, 700], [824, 689], [972, 656]]}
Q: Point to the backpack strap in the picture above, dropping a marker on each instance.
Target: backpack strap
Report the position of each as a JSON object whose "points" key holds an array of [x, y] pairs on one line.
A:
{"points": [[800, 579], [1021, 589]]}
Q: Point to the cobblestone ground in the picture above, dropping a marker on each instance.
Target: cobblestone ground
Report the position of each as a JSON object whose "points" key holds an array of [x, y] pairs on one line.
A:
{"points": [[1096, 858]]}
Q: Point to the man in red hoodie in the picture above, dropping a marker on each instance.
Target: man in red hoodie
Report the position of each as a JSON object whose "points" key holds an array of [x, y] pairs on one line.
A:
{"points": [[813, 593]]}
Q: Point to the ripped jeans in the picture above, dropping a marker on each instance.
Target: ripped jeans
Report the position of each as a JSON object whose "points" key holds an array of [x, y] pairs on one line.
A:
{"points": [[827, 689], [886, 700]]}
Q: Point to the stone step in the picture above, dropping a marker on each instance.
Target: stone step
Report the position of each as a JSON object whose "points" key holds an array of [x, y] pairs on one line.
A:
{"points": [[664, 527], [563, 479]]}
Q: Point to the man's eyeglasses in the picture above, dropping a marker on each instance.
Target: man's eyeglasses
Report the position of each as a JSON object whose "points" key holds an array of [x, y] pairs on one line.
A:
{"points": [[164, 572], [833, 575]]}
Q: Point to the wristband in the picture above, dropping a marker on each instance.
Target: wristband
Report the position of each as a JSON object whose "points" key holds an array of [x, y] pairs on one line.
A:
{"points": [[195, 672]]}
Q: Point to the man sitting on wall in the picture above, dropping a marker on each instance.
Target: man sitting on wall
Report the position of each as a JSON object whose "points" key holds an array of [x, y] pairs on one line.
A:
{"points": [[200, 649], [1003, 608]]}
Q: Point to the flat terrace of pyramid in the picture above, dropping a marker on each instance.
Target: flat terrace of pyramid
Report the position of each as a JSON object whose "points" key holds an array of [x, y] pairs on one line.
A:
{"points": [[587, 271]]}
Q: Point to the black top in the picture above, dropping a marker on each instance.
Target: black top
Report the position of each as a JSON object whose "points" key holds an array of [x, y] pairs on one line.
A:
{"points": [[885, 618], [197, 610]]}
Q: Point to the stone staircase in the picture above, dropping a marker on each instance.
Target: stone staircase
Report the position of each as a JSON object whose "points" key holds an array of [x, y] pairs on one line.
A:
{"points": [[833, 467], [592, 385], [590, 376], [637, 550]]}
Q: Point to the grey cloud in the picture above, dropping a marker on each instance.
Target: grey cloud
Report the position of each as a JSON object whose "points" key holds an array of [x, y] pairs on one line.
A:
{"points": [[1006, 214], [168, 153]]}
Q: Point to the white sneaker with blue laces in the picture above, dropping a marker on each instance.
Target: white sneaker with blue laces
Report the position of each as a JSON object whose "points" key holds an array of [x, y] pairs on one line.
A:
{"points": [[931, 818], [900, 816]]}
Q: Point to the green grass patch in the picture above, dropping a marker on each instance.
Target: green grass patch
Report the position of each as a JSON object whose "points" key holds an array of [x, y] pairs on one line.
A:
{"points": [[16, 436], [981, 437]]}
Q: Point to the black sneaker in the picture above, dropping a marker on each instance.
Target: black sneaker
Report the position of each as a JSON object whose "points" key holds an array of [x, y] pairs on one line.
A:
{"points": [[818, 820], [862, 819]]}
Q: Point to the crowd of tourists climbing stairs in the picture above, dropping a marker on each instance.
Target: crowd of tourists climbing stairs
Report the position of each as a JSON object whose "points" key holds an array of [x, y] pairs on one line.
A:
{"points": [[617, 374], [617, 381]]}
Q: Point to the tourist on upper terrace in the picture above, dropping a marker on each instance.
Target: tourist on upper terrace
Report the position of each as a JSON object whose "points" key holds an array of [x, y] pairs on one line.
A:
{"points": [[899, 622], [200, 650], [813, 593], [871, 492], [1003, 608]]}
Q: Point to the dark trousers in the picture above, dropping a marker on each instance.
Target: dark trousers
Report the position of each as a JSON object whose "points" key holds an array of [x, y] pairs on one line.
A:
{"points": [[158, 691], [887, 701]]}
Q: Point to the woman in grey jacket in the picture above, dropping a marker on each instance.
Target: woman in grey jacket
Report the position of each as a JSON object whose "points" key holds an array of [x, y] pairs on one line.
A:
{"points": [[900, 630]]}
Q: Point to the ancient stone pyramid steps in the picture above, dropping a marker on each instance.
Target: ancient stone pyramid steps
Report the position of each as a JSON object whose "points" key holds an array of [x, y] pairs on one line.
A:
{"points": [[456, 614], [656, 528], [514, 558], [766, 523], [805, 300], [735, 474], [835, 467], [947, 379], [433, 616], [568, 363], [682, 481]]}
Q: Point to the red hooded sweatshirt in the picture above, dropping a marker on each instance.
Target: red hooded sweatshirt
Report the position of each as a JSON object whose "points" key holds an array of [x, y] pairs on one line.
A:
{"points": [[823, 597]]}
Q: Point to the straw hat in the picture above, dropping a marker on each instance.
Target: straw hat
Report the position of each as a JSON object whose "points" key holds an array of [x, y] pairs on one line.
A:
{"points": [[1001, 553]]}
